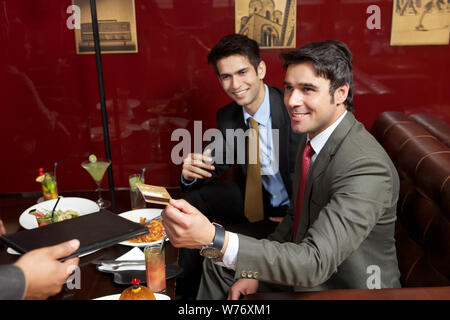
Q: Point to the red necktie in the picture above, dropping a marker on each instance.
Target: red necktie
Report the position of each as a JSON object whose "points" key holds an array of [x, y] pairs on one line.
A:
{"points": [[308, 152]]}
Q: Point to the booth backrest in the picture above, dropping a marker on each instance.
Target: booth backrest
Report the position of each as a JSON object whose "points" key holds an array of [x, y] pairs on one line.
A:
{"points": [[422, 160], [437, 127]]}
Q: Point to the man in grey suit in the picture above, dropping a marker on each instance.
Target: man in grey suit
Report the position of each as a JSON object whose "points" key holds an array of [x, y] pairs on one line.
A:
{"points": [[241, 71], [342, 234]]}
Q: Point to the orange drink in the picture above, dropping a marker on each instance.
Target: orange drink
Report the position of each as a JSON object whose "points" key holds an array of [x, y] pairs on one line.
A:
{"points": [[155, 267]]}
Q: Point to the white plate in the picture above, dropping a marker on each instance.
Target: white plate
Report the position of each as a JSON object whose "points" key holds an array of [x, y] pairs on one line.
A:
{"points": [[158, 296], [80, 205], [135, 215]]}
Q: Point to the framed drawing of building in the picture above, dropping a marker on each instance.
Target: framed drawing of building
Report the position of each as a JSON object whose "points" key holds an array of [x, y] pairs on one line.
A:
{"points": [[116, 24], [420, 22], [271, 23]]}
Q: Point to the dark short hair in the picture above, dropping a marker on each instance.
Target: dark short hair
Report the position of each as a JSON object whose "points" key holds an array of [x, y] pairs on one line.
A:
{"points": [[234, 44], [331, 60]]}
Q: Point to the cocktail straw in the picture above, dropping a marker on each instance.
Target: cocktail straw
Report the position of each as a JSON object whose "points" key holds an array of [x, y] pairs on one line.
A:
{"points": [[53, 211], [55, 165], [143, 170]]}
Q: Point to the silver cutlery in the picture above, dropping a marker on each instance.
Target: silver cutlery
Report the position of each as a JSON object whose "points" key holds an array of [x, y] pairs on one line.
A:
{"points": [[115, 265], [115, 262]]}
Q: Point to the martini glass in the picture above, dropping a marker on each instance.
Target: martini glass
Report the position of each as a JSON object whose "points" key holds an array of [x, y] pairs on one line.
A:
{"points": [[97, 171]]}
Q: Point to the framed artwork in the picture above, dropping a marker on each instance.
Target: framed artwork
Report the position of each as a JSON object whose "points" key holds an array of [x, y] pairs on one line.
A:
{"points": [[420, 22], [271, 23], [116, 24]]}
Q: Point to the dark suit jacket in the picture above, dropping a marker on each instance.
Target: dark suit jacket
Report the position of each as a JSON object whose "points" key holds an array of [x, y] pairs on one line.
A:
{"points": [[231, 117], [345, 236]]}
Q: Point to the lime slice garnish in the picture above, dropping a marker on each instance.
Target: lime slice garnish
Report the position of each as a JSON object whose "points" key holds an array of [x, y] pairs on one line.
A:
{"points": [[40, 179], [133, 182], [92, 158]]}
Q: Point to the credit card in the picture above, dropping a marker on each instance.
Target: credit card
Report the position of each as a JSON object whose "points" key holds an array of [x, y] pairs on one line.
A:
{"points": [[154, 194]]}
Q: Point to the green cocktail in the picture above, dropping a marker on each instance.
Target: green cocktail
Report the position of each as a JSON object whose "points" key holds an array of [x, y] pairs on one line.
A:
{"points": [[97, 169]]}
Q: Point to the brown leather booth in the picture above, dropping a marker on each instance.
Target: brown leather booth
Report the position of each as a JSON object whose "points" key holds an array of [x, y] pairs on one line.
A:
{"points": [[418, 146], [437, 127], [423, 227]]}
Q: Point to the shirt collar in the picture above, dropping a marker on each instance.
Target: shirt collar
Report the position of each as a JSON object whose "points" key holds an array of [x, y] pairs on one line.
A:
{"points": [[262, 115], [318, 142]]}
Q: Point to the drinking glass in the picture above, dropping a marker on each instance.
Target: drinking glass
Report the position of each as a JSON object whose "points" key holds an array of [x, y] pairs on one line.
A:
{"points": [[155, 268], [137, 200], [49, 187], [97, 171]]}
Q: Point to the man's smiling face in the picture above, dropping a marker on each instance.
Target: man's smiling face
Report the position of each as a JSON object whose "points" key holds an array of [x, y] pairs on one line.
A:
{"points": [[242, 82], [308, 100]]}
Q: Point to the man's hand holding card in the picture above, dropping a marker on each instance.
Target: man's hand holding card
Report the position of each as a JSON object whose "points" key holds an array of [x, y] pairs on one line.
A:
{"points": [[184, 224]]}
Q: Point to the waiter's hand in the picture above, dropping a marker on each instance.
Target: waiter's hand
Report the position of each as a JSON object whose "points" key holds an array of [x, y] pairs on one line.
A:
{"points": [[44, 274], [196, 164], [185, 226], [243, 287]]}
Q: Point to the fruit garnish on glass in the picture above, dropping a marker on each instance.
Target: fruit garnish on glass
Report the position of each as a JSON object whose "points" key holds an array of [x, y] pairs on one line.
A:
{"points": [[49, 186]]}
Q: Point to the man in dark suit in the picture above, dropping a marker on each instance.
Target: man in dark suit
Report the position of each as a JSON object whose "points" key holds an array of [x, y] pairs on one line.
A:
{"points": [[240, 70], [339, 229]]}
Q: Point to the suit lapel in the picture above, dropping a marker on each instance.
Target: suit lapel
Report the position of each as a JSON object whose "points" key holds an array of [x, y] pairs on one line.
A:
{"points": [[319, 166], [237, 118], [295, 185], [331, 146], [239, 123]]}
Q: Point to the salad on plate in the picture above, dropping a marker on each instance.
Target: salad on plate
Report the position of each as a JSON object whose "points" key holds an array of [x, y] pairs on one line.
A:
{"points": [[44, 217]]}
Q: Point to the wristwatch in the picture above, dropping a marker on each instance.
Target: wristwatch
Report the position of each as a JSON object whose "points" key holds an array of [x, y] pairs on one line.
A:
{"points": [[212, 250]]}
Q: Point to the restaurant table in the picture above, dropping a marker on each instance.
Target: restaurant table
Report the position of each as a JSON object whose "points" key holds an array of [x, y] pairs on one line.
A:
{"points": [[93, 283], [412, 293]]}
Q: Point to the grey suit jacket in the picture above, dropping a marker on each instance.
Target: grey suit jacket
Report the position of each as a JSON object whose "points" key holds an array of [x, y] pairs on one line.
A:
{"points": [[345, 237], [12, 282]]}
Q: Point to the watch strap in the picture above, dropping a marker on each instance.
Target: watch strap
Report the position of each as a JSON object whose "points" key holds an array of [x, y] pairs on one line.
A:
{"points": [[219, 237]]}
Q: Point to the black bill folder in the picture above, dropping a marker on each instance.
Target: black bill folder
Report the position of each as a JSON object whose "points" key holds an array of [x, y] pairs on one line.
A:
{"points": [[95, 231]]}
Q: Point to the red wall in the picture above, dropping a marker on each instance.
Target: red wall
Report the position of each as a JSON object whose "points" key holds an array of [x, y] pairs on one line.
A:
{"points": [[49, 94]]}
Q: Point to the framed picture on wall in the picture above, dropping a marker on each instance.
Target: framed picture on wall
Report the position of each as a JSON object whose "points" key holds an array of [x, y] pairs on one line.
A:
{"points": [[271, 23], [116, 24], [420, 22]]}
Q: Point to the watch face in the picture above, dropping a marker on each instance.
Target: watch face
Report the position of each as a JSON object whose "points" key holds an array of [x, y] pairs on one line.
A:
{"points": [[210, 253]]}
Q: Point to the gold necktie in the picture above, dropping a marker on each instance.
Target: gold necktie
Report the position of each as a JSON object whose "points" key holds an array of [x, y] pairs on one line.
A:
{"points": [[254, 210]]}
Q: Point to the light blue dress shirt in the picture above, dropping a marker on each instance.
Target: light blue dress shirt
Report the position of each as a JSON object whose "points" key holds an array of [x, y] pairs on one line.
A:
{"points": [[271, 177]]}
